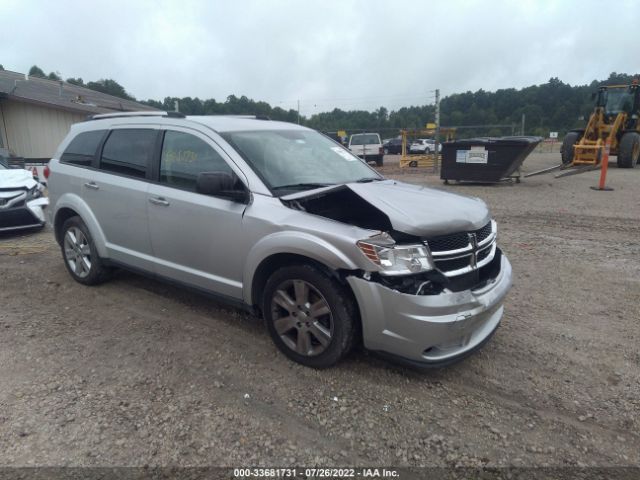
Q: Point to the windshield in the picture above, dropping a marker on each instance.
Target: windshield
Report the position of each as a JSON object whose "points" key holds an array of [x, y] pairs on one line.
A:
{"points": [[291, 160], [618, 100], [365, 139]]}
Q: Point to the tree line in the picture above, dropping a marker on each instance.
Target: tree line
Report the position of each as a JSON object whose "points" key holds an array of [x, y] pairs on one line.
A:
{"points": [[551, 106]]}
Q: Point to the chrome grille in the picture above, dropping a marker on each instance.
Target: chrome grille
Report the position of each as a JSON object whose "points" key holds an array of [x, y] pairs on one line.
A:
{"points": [[482, 254], [453, 264], [484, 232], [449, 242], [460, 253]]}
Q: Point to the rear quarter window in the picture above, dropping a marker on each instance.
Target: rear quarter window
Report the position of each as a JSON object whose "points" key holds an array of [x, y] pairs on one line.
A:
{"points": [[82, 148]]}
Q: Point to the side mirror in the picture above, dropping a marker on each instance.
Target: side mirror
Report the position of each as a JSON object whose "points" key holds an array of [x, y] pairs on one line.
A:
{"points": [[220, 184]]}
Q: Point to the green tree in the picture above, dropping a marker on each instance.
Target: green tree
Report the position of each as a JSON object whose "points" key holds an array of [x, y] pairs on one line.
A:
{"points": [[36, 71], [553, 105], [110, 87], [76, 81]]}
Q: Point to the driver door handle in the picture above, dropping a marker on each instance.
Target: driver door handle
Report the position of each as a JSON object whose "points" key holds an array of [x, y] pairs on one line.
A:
{"points": [[92, 185], [159, 201]]}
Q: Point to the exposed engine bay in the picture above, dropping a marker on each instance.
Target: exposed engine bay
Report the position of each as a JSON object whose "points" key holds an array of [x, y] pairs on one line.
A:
{"points": [[463, 259]]}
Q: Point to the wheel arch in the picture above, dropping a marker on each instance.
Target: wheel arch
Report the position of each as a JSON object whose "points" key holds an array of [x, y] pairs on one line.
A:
{"points": [[272, 263], [70, 205], [62, 215], [284, 249]]}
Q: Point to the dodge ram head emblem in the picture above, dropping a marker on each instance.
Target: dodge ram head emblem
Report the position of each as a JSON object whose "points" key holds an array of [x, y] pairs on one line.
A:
{"points": [[473, 260]]}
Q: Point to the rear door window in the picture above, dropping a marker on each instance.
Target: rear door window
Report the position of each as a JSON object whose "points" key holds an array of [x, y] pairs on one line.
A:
{"points": [[184, 156], [128, 152], [82, 148]]}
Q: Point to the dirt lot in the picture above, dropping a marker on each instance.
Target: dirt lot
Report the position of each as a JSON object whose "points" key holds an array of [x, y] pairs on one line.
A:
{"points": [[136, 372]]}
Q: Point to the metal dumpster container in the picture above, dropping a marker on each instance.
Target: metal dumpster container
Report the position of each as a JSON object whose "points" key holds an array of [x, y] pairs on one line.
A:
{"points": [[485, 159]]}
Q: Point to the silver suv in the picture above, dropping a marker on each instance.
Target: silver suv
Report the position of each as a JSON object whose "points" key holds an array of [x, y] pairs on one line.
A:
{"points": [[286, 223]]}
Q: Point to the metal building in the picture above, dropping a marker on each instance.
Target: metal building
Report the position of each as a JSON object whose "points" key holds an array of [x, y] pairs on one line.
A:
{"points": [[36, 113]]}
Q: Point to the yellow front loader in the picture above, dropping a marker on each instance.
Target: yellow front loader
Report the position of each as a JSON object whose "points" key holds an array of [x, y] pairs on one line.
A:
{"points": [[615, 118]]}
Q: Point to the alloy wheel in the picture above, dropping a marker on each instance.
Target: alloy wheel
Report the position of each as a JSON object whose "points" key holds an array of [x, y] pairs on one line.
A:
{"points": [[77, 252], [302, 317]]}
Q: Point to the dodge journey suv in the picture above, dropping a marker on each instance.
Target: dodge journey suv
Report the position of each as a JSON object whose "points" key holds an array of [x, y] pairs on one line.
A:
{"points": [[284, 222]]}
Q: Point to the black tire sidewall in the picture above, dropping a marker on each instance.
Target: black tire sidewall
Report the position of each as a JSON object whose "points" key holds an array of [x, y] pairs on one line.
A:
{"points": [[570, 139], [342, 311], [97, 270], [625, 150]]}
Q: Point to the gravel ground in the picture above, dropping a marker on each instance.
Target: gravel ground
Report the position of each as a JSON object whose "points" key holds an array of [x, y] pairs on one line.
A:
{"points": [[136, 372]]}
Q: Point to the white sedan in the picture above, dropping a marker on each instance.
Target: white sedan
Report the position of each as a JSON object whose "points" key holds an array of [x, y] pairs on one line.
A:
{"points": [[22, 202], [424, 145]]}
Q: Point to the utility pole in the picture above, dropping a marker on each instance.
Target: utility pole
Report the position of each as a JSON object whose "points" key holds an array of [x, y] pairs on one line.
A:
{"points": [[176, 106], [298, 112], [522, 127], [437, 139]]}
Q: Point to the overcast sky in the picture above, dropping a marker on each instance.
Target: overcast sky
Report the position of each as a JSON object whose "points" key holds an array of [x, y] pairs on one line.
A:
{"points": [[350, 54]]}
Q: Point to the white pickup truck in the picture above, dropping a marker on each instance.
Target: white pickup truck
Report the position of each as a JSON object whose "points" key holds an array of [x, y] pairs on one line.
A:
{"points": [[367, 146]]}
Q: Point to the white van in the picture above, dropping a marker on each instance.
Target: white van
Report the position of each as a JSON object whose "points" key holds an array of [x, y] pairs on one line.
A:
{"points": [[367, 146]]}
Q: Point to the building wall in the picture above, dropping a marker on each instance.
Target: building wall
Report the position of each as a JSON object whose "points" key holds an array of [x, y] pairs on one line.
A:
{"points": [[33, 131], [3, 134]]}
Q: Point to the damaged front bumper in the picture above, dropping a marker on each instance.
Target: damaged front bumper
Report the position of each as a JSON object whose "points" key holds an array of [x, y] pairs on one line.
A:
{"points": [[26, 214], [430, 330]]}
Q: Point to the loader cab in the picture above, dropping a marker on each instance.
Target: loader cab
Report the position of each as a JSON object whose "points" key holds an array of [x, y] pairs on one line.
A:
{"points": [[618, 99]]}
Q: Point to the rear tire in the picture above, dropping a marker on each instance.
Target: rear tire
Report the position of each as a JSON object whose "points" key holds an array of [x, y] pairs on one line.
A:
{"points": [[566, 151], [379, 160], [629, 150], [311, 318], [80, 254]]}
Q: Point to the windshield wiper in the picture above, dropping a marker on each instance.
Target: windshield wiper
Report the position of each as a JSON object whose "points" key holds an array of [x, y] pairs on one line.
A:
{"points": [[369, 179], [301, 186]]}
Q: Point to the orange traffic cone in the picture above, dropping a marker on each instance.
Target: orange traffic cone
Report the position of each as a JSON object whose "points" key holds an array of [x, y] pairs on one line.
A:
{"points": [[604, 164]]}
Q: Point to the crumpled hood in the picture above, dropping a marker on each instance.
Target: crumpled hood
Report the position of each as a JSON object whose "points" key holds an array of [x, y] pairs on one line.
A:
{"points": [[423, 211], [17, 178]]}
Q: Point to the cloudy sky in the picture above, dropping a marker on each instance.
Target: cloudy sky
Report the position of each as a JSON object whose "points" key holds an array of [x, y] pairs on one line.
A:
{"points": [[350, 54]]}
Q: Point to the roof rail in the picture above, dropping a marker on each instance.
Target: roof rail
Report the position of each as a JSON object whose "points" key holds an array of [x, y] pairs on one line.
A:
{"points": [[136, 114], [256, 117]]}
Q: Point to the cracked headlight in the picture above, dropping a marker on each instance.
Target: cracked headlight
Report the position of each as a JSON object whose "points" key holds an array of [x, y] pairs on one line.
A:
{"points": [[396, 259], [34, 193]]}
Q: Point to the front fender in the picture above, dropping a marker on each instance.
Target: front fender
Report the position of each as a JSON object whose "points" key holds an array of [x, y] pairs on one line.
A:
{"points": [[297, 243], [78, 205]]}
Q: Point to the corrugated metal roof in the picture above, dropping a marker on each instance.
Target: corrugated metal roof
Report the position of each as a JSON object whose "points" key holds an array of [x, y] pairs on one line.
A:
{"points": [[70, 97]]}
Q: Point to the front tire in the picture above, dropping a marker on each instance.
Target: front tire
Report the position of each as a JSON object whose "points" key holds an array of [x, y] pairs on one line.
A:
{"points": [[566, 151], [80, 254], [311, 317], [629, 150]]}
